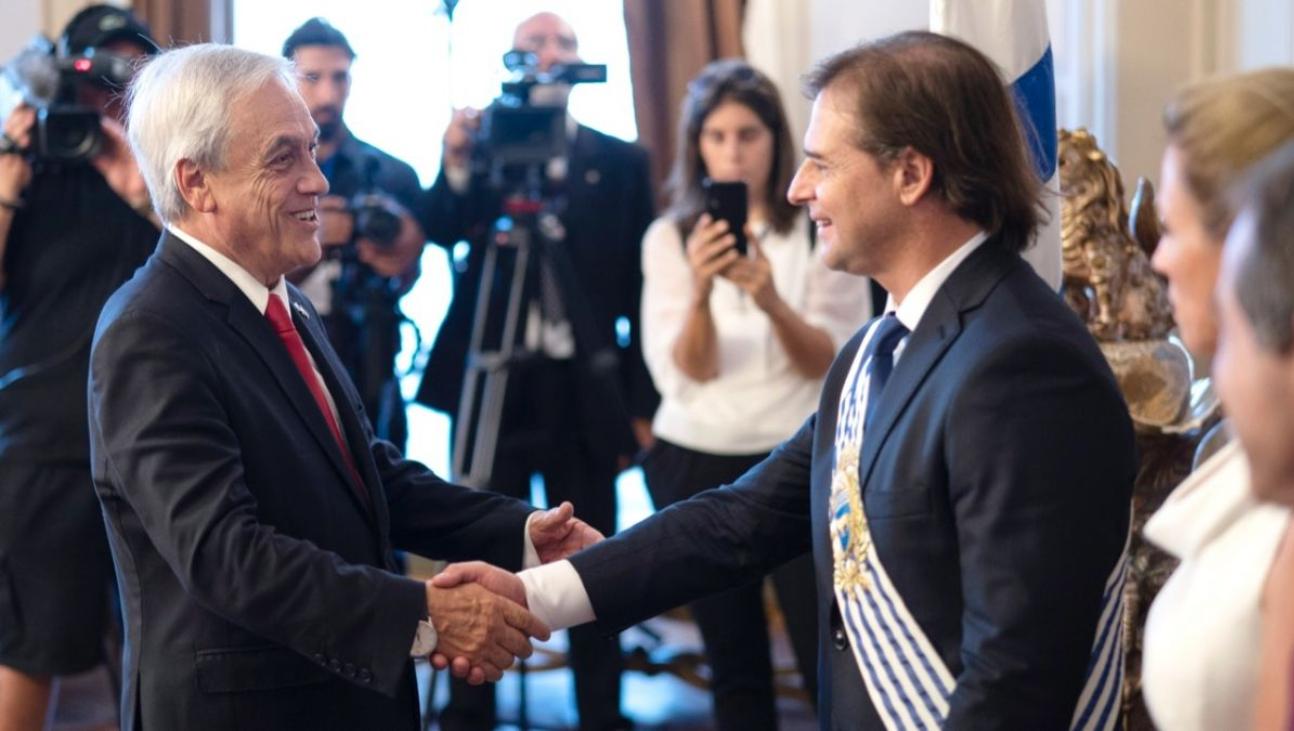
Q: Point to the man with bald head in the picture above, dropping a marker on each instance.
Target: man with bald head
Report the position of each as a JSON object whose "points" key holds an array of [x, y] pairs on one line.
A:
{"points": [[556, 420]]}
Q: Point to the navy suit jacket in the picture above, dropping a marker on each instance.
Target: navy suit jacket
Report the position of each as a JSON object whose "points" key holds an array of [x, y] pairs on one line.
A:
{"points": [[997, 479], [257, 588]]}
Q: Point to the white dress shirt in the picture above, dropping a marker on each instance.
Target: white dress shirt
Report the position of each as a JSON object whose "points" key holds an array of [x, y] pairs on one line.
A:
{"points": [[759, 398], [1199, 669], [259, 295], [555, 592]]}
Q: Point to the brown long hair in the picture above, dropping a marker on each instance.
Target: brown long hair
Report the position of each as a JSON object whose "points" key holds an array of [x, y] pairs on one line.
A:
{"points": [[946, 100], [722, 81]]}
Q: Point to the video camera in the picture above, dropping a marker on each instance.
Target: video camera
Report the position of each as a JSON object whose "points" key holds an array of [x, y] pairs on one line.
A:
{"points": [[374, 219], [65, 131], [520, 133]]}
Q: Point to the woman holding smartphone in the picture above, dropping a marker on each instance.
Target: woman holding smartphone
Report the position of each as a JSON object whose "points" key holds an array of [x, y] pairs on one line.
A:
{"points": [[738, 345]]}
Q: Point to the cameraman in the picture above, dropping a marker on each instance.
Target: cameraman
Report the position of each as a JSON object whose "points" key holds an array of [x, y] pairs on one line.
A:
{"points": [[554, 422], [70, 233], [356, 288]]}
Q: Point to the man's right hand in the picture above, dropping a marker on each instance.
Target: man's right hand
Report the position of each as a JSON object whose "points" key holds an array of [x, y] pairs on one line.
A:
{"points": [[487, 630], [709, 249], [458, 137], [15, 171]]}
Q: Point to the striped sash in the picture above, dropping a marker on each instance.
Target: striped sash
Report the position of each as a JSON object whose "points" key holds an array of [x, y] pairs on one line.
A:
{"points": [[905, 676]]}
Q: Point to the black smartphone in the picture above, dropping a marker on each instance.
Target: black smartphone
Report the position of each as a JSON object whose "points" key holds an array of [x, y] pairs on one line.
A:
{"points": [[727, 201]]}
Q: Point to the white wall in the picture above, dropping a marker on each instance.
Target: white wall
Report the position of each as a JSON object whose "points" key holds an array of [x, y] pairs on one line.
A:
{"points": [[1117, 61], [22, 20], [1267, 27]]}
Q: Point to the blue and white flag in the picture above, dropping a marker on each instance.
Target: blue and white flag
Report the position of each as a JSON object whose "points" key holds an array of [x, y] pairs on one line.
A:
{"points": [[1013, 34]]}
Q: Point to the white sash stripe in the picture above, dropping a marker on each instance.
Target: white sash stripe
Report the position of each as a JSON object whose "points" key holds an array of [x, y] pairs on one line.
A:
{"points": [[893, 613], [879, 687], [942, 682], [1103, 716], [906, 679], [1110, 716], [903, 668], [1107, 657], [1108, 635]]}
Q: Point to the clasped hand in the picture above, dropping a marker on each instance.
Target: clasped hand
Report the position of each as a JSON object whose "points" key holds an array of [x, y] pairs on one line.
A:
{"points": [[484, 624], [555, 534]]}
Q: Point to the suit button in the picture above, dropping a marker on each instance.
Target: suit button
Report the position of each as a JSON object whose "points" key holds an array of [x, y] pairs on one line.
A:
{"points": [[838, 639], [334, 665], [348, 670], [364, 676]]}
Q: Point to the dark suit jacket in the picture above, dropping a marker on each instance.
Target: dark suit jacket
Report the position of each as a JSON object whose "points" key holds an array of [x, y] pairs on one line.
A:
{"points": [[609, 206], [996, 481], [257, 587]]}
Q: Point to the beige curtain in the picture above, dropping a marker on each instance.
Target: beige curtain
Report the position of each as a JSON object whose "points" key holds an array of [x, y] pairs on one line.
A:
{"points": [[182, 22], [669, 42]]}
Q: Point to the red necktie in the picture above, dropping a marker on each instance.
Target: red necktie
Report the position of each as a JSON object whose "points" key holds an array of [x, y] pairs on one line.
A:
{"points": [[278, 316]]}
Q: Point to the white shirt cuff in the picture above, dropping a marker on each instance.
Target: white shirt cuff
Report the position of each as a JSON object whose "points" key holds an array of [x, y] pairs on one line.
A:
{"points": [[424, 639], [555, 594], [459, 178], [529, 554]]}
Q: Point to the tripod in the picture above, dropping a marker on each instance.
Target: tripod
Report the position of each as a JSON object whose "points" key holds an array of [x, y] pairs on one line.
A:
{"points": [[485, 383]]}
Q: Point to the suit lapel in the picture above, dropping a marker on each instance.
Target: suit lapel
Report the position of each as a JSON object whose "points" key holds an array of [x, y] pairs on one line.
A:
{"points": [[352, 431], [256, 330], [941, 324], [938, 328]]}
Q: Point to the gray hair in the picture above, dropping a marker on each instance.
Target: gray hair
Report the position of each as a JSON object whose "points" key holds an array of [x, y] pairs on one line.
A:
{"points": [[1264, 279], [180, 107]]}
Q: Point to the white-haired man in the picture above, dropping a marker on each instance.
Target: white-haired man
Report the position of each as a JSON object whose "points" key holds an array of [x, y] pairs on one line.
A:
{"points": [[250, 509]]}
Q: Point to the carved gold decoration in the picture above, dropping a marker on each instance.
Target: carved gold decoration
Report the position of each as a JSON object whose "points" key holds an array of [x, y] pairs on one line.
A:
{"points": [[1108, 279], [1109, 283]]}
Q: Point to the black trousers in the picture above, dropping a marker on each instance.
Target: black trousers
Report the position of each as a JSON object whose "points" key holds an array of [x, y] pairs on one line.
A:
{"points": [[733, 624], [540, 433]]}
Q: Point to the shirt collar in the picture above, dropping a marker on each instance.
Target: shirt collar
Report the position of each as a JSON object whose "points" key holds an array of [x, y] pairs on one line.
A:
{"points": [[914, 306], [257, 293]]}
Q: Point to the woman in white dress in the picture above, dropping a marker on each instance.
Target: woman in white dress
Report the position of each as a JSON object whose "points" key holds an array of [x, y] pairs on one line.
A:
{"points": [[1202, 640]]}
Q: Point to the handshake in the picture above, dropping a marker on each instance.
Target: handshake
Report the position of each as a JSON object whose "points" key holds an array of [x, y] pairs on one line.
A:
{"points": [[480, 611]]}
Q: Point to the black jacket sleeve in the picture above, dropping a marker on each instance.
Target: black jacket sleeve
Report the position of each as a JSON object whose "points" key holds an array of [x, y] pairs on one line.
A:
{"points": [[161, 433], [717, 540], [1040, 521], [443, 521]]}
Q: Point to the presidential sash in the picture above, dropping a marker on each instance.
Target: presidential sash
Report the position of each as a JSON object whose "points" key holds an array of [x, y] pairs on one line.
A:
{"points": [[905, 676]]}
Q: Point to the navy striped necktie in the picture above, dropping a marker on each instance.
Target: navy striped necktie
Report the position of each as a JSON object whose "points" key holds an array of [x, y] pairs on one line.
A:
{"points": [[879, 358]]}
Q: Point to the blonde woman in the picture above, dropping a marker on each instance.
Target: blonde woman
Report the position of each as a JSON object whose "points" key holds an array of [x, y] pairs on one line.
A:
{"points": [[1204, 630]]}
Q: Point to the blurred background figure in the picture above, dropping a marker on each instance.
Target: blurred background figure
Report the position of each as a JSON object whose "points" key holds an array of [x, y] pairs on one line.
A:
{"points": [[75, 222], [372, 242], [1255, 377], [1203, 634], [578, 408], [737, 346]]}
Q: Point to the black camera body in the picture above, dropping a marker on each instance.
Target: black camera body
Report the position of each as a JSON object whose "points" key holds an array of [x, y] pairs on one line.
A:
{"points": [[374, 219], [519, 135], [66, 131]]}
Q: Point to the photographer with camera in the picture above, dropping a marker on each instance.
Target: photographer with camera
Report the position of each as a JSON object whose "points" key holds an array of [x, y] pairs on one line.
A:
{"points": [[75, 222], [372, 243], [580, 404]]}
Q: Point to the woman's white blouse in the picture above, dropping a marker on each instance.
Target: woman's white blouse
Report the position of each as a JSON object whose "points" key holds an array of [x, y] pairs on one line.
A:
{"points": [[758, 399], [1200, 663]]}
